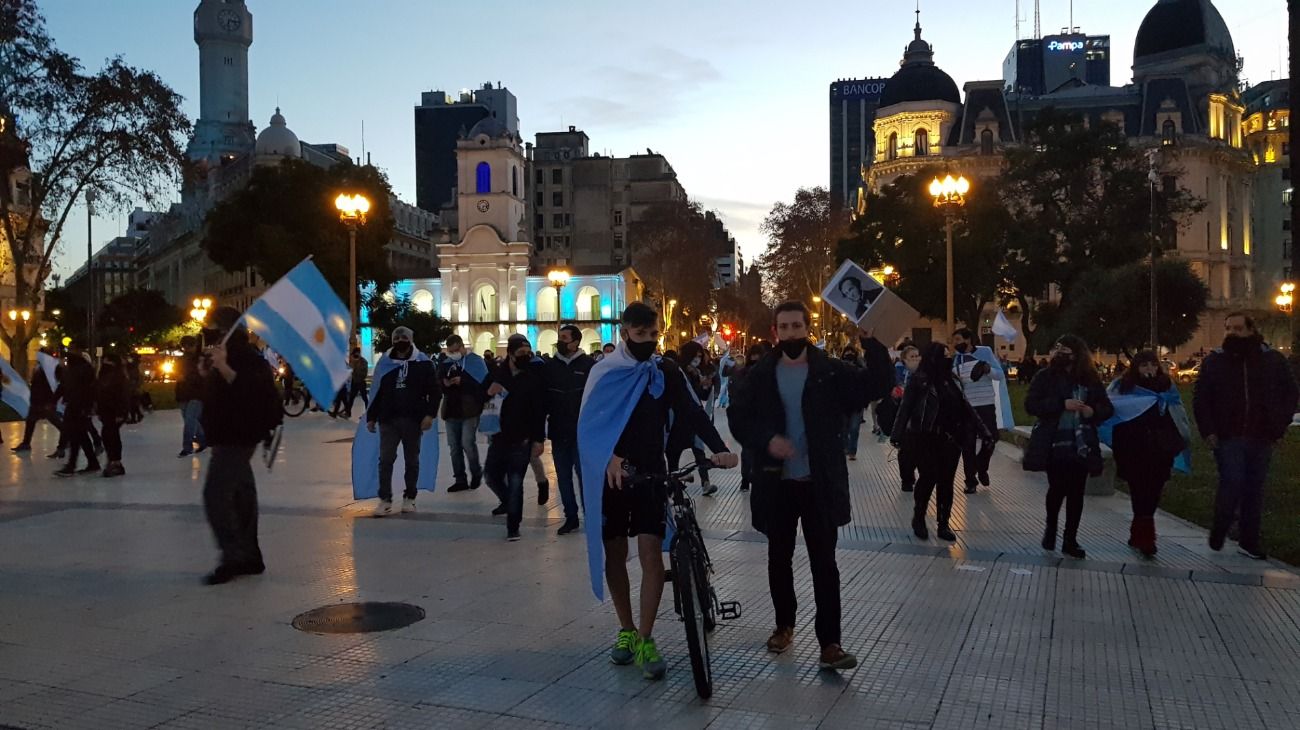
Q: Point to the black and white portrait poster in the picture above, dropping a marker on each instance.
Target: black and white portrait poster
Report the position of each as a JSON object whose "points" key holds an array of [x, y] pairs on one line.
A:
{"points": [[867, 303]]}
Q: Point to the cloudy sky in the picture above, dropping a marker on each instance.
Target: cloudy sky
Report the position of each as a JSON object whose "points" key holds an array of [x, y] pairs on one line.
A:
{"points": [[734, 92]]}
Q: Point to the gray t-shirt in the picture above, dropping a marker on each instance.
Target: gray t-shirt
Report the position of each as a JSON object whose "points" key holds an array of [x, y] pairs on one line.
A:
{"points": [[790, 379]]}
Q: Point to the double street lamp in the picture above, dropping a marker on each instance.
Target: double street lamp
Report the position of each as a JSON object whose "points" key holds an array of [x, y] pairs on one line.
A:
{"points": [[352, 211], [949, 196], [202, 305]]}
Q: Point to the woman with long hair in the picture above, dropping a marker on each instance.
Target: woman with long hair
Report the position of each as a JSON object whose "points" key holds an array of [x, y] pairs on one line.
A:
{"points": [[1149, 431], [1070, 403], [113, 403], [694, 362], [935, 419]]}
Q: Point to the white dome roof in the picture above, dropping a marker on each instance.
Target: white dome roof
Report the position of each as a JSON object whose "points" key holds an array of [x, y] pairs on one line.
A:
{"points": [[278, 139]]}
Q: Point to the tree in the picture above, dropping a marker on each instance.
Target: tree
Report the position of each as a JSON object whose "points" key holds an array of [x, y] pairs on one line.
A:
{"points": [[388, 313], [140, 316], [668, 251], [902, 228], [802, 237], [1108, 306], [117, 133], [286, 213], [741, 305]]}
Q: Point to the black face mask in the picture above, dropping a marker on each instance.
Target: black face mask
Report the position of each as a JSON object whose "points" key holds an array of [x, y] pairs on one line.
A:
{"points": [[402, 350], [962, 348], [564, 348], [1062, 361], [641, 350], [794, 348], [521, 361]]}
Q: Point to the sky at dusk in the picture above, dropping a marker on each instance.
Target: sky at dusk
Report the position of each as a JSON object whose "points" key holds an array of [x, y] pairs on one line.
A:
{"points": [[733, 92]]}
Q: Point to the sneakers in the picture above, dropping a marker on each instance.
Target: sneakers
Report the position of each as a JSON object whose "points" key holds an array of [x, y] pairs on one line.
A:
{"points": [[780, 640], [945, 533], [835, 658], [984, 478], [1049, 539], [60, 454], [184, 454], [971, 489], [512, 536], [384, 508], [744, 486], [476, 481], [20, 448], [709, 489], [66, 472], [1252, 553], [408, 506], [624, 651], [114, 470], [458, 487], [569, 526], [918, 528], [652, 664], [543, 492], [1073, 550], [499, 510], [91, 468], [1216, 541]]}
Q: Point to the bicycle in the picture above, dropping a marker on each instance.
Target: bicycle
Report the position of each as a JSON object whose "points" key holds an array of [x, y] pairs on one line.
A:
{"points": [[295, 400], [690, 572]]}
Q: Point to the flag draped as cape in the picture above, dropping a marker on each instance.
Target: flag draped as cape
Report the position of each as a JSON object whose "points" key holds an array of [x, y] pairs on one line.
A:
{"points": [[1006, 417], [1133, 405], [365, 447]]}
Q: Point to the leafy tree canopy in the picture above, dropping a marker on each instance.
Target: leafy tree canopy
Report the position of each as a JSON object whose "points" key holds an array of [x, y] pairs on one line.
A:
{"points": [[387, 313]]}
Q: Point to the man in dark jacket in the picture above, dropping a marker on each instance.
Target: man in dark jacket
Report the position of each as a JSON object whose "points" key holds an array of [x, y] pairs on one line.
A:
{"points": [[523, 429], [43, 405], [1245, 400], [404, 407], [565, 377], [790, 410], [189, 396], [462, 405], [78, 390], [241, 409]]}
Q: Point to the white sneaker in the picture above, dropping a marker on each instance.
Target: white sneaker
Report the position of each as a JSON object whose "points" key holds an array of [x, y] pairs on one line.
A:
{"points": [[408, 505], [384, 509]]}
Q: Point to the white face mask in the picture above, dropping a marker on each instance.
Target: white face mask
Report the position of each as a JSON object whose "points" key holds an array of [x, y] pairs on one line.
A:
{"points": [[696, 362], [456, 356]]}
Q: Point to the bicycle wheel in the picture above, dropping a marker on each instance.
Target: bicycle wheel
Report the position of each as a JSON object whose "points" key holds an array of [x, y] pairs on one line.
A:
{"points": [[685, 586], [703, 579], [296, 404]]}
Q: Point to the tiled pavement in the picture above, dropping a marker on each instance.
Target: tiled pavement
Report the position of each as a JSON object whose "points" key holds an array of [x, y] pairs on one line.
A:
{"points": [[103, 623]]}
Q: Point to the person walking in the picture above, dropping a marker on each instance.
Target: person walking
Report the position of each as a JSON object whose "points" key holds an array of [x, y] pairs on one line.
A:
{"points": [[909, 361], [1149, 434], [461, 375], [357, 383], [1244, 402], [523, 430], [78, 391], [936, 420], [979, 372], [692, 360], [790, 411], [854, 420], [1070, 403], [403, 407], [189, 397], [44, 404], [113, 404], [135, 382], [748, 457], [565, 379], [241, 409]]}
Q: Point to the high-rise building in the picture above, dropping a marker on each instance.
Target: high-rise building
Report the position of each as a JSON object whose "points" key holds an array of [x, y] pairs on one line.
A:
{"points": [[1038, 66], [853, 105], [441, 121], [1267, 130]]}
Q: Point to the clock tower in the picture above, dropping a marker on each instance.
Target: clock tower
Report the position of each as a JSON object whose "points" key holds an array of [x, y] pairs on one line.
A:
{"points": [[223, 30], [490, 180]]}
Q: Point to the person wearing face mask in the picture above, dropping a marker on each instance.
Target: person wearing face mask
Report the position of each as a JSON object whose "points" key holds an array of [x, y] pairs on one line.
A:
{"points": [[909, 361], [461, 375], [981, 375], [748, 459], [853, 421], [565, 378], [693, 361], [791, 411], [1245, 400], [523, 429], [1070, 403], [402, 408], [1149, 435]]}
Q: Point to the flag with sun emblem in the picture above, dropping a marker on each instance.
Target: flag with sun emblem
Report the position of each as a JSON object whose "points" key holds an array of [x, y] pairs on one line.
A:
{"points": [[13, 390], [303, 320]]}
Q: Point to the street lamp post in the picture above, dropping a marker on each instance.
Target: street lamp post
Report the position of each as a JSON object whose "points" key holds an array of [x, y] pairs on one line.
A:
{"points": [[201, 307], [559, 279], [949, 196], [1286, 303], [352, 211]]}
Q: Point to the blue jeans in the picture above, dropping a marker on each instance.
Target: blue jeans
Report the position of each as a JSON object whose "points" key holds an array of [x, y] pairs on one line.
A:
{"points": [[566, 461], [462, 442], [852, 432], [1243, 469], [192, 411], [504, 472]]}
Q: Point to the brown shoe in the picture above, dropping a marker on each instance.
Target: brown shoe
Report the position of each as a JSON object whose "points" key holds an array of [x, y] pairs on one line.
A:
{"points": [[833, 657], [781, 639]]}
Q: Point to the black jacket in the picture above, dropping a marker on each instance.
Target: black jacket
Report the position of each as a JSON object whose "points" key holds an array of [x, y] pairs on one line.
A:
{"points": [[937, 411], [459, 401], [77, 385], [245, 411], [112, 394], [565, 383], [523, 412], [42, 389], [406, 392], [833, 390], [1252, 396], [1046, 401], [190, 385]]}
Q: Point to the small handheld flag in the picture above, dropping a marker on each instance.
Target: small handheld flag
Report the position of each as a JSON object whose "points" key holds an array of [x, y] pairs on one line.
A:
{"points": [[14, 391]]}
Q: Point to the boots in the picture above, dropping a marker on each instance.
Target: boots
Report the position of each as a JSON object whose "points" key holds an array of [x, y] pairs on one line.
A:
{"points": [[1133, 533], [1142, 536], [918, 523], [944, 532], [1049, 536]]}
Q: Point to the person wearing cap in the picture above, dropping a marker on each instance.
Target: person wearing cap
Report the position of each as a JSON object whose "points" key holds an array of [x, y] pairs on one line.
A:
{"points": [[523, 429], [402, 409], [241, 409]]}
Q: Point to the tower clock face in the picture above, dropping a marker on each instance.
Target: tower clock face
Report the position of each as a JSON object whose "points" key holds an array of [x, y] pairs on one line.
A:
{"points": [[483, 206], [229, 20]]}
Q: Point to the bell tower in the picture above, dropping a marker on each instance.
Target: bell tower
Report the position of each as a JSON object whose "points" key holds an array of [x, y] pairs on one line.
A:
{"points": [[223, 30], [490, 188]]}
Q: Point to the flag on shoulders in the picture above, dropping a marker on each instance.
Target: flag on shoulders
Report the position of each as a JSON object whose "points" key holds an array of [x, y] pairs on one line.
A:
{"points": [[474, 366], [365, 445], [49, 365], [303, 320], [13, 390]]}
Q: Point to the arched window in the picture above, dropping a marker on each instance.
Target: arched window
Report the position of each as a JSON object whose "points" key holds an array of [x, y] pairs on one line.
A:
{"points": [[986, 142], [1168, 132], [514, 181], [588, 303], [483, 178], [921, 143], [891, 153], [485, 304], [548, 307], [546, 340], [485, 342], [589, 336]]}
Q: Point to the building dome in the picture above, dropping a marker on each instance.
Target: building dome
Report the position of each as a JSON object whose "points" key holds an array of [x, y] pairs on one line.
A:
{"points": [[1182, 25], [490, 126], [919, 79], [278, 139]]}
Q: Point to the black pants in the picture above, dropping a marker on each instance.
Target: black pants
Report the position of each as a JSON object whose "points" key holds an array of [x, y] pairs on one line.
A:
{"points": [[747, 465], [907, 463], [76, 434], [938, 472], [795, 502], [392, 433], [89, 428], [230, 500], [1145, 494], [35, 416], [112, 437], [1066, 484], [504, 470], [976, 454]]}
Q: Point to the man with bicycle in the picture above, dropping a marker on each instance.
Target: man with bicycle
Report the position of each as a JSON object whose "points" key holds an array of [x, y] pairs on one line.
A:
{"points": [[790, 411], [629, 401]]}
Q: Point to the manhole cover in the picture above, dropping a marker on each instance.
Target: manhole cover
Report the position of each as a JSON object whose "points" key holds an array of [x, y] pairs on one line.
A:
{"points": [[358, 618]]}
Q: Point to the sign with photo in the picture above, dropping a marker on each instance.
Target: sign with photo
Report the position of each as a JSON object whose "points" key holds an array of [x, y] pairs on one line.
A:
{"points": [[866, 302]]}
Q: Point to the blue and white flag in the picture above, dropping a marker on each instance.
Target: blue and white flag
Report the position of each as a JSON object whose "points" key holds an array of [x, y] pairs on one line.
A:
{"points": [[614, 387], [50, 366], [365, 446], [1003, 328], [475, 367], [1133, 405], [302, 318], [1006, 416], [13, 390]]}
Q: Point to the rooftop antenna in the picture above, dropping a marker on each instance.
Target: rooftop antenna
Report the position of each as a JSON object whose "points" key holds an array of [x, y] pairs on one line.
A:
{"points": [[1017, 20], [1071, 16], [1038, 21], [363, 142]]}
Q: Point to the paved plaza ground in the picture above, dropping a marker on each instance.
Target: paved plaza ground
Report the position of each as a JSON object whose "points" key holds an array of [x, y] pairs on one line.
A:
{"points": [[103, 622]]}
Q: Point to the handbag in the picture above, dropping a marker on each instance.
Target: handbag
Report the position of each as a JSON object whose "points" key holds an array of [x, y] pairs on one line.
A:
{"points": [[489, 423]]}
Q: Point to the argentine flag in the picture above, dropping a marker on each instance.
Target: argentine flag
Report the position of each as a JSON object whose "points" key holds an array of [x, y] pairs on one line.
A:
{"points": [[13, 390], [302, 318]]}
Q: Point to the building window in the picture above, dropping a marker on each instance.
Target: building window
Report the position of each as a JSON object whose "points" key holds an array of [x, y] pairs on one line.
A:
{"points": [[541, 198], [1287, 195], [568, 219], [1286, 173], [540, 177], [557, 199], [891, 153], [1286, 249], [539, 221], [514, 181], [1168, 132], [230, 61], [618, 217], [921, 143], [557, 220], [483, 178], [485, 304], [618, 240], [986, 142], [1286, 224], [588, 301], [557, 176]]}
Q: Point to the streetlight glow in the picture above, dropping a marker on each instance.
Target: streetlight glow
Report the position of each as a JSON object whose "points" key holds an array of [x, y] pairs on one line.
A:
{"points": [[352, 212], [949, 195], [352, 207]]}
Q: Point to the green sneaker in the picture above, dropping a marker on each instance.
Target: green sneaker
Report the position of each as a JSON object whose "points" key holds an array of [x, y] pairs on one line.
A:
{"points": [[652, 664], [624, 652]]}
